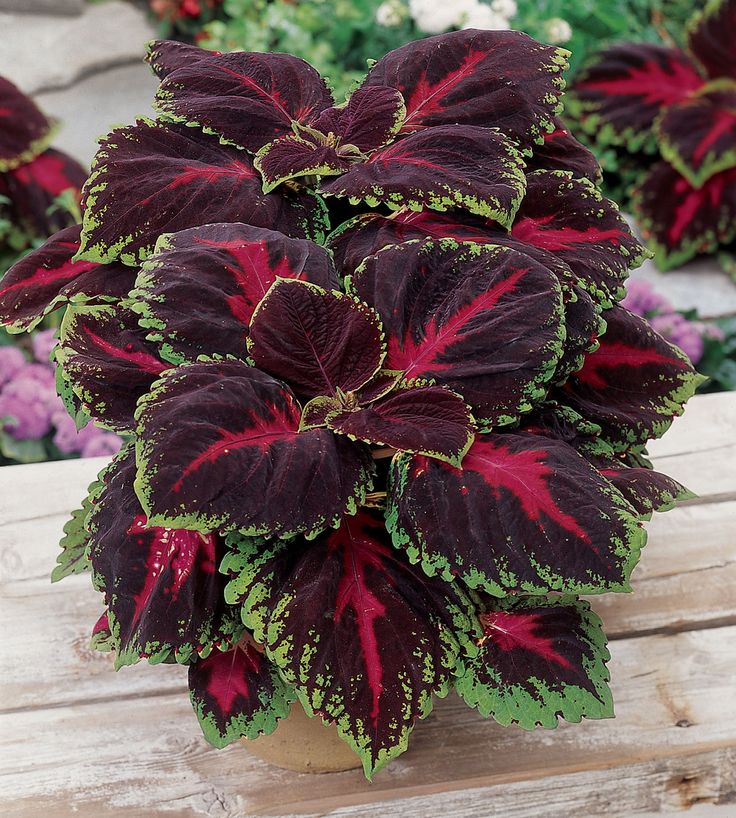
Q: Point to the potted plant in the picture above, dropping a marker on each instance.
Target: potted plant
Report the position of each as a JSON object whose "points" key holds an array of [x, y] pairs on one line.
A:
{"points": [[368, 359], [673, 111]]}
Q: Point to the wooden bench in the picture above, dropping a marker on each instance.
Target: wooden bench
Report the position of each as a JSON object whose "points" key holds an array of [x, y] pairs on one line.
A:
{"points": [[78, 739]]}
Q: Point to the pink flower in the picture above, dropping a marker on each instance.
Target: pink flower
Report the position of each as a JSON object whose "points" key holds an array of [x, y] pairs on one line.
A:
{"points": [[12, 360]]}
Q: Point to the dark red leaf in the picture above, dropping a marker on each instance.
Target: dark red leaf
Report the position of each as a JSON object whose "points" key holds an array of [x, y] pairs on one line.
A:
{"points": [[364, 235], [24, 130], [248, 99], [499, 79], [33, 187], [561, 151], [484, 320], [634, 384], [290, 157], [621, 93], [432, 420], [645, 489], [540, 658], [327, 610], [711, 35], [525, 514], [166, 56], [315, 340], [219, 449], [109, 362], [698, 136], [370, 119], [237, 694], [179, 178], [47, 277], [680, 221], [439, 168], [197, 293], [572, 220], [164, 593]]}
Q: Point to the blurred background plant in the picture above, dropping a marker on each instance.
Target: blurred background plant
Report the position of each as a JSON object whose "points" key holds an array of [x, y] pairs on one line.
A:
{"points": [[710, 345], [39, 194]]}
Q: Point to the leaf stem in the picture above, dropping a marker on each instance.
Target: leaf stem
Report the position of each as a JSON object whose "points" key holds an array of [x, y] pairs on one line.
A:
{"points": [[386, 451]]}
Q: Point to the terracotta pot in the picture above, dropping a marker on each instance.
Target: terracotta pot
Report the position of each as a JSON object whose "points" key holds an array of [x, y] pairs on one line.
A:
{"points": [[304, 745]]}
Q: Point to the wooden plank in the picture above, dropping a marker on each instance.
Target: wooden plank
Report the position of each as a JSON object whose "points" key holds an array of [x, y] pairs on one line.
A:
{"points": [[676, 719], [699, 449], [686, 577], [685, 580], [46, 630]]}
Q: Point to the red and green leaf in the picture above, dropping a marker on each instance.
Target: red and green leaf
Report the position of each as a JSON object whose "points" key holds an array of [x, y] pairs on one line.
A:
{"points": [[237, 694], [364, 235], [710, 38], [24, 130], [166, 56], [432, 420], [179, 178], [371, 117], [561, 151], [247, 99], [698, 136], [316, 340], [525, 514], [484, 320], [198, 292], [498, 79], [645, 489], [680, 221], [108, 361], [571, 219], [448, 166], [540, 659], [326, 610], [634, 384], [219, 448], [164, 594], [290, 157], [47, 277], [619, 95]]}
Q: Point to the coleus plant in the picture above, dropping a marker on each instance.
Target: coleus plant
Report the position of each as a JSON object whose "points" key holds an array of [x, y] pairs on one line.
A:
{"points": [[368, 358], [679, 106]]}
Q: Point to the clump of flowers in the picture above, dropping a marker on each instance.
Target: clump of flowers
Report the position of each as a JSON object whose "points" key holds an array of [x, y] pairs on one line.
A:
{"points": [[679, 106], [34, 422], [368, 357]]}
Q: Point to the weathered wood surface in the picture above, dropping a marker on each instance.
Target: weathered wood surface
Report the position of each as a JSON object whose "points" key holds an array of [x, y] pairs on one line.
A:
{"points": [[78, 739]]}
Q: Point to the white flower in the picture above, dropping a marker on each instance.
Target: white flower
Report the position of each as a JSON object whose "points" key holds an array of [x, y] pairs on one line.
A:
{"points": [[436, 16], [505, 8], [484, 17], [558, 30], [390, 13]]}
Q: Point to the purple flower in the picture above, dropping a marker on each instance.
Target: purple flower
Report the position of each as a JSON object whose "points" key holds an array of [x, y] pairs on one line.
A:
{"points": [[680, 332], [104, 443], [642, 299], [12, 360], [42, 343], [29, 417], [66, 437]]}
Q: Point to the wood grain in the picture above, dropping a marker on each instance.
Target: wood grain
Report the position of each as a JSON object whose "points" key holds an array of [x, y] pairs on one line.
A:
{"points": [[78, 739]]}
